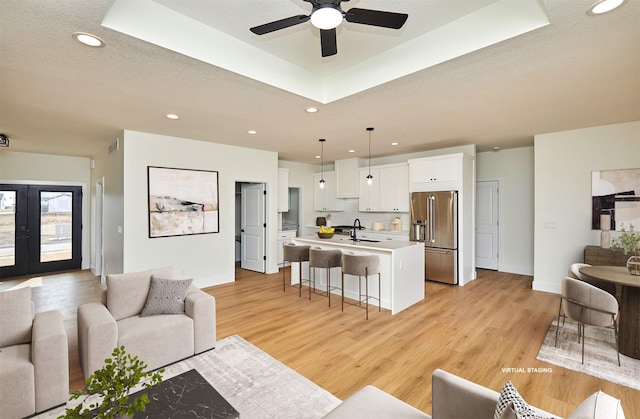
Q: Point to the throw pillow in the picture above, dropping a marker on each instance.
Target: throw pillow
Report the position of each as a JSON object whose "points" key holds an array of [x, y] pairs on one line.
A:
{"points": [[16, 316], [598, 405], [511, 402], [166, 296]]}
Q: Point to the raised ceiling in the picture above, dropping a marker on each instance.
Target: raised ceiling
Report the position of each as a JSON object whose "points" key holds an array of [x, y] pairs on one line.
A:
{"points": [[491, 73]]}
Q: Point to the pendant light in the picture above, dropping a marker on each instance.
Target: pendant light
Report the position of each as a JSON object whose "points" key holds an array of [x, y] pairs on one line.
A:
{"points": [[369, 177], [322, 182]]}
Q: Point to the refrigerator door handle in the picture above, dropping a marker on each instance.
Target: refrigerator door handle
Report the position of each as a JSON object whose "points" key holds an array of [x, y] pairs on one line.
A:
{"points": [[432, 221], [442, 252]]}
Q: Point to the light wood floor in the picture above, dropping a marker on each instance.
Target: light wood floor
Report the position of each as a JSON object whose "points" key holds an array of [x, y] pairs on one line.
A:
{"points": [[473, 331]]}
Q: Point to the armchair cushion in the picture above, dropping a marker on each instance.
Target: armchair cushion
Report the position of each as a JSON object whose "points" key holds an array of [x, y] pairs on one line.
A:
{"points": [[599, 405], [16, 316], [127, 293], [166, 296]]}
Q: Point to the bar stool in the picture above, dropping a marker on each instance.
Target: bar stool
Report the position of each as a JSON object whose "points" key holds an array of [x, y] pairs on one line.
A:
{"points": [[327, 259], [295, 253], [361, 265]]}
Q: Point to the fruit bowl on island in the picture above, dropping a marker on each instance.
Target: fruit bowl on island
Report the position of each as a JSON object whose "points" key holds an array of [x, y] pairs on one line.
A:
{"points": [[325, 233]]}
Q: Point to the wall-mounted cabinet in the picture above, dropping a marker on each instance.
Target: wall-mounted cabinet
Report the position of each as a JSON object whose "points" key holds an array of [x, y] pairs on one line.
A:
{"points": [[389, 191], [283, 190], [347, 177], [438, 173], [325, 199]]}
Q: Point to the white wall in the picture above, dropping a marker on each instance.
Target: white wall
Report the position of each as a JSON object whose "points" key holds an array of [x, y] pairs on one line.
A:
{"points": [[44, 169], [563, 165], [513, 168], [208, 258]]}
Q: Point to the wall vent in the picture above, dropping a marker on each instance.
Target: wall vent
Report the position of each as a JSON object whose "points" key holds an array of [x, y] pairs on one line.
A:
{"points": [[114, 146]]}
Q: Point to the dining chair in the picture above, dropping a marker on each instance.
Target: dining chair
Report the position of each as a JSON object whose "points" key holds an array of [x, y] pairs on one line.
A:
{"points": [[574, 272], [588, 305]]}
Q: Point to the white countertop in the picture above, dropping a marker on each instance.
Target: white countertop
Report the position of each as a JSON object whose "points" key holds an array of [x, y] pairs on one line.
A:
{"points": [[339, 240]]}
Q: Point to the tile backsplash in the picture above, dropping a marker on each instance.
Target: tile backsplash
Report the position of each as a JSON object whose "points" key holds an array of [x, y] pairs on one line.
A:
{"points": [[367, 219]]}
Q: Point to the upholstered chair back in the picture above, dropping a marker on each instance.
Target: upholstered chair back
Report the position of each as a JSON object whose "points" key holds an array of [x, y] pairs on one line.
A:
{"points": [[591, 305]]}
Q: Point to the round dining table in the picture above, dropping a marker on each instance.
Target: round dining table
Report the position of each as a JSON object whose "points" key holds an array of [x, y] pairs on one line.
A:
{"points": [[629, 321]]}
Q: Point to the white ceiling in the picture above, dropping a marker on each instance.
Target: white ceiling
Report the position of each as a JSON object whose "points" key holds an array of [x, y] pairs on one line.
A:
{"points": [[485, 72]]}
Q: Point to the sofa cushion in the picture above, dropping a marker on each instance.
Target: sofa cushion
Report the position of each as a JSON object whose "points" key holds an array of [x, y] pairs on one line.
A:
{"points": [[127, 293], [16, 316], [371, 402], [598, 406], [166, 296], [157, 340], [512, 405]]}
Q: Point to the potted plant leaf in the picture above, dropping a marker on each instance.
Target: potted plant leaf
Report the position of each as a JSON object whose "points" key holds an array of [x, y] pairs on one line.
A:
{"points": [[113, 383], [629, 242]]}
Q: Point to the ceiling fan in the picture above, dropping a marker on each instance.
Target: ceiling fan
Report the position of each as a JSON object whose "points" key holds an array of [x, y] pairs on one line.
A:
{"points": [[326, 15]]}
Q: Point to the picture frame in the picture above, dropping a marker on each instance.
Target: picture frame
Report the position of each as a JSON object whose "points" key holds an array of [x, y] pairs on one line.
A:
{"points": [[182, 201], [615, 194]]}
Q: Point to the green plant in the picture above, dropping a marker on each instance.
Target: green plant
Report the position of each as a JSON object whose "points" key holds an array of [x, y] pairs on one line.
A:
{"points": [[628, 240], [113, 382]]}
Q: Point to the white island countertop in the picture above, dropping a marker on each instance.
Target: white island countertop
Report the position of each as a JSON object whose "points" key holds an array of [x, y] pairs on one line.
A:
{"points": [[401, 265], [340, 240]]}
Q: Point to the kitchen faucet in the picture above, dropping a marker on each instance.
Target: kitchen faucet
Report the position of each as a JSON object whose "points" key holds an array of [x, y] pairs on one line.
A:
{"points": [[356, 221]]}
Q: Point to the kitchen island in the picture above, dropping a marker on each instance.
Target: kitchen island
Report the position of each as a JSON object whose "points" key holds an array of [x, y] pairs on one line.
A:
{"points": [[401, 264]]}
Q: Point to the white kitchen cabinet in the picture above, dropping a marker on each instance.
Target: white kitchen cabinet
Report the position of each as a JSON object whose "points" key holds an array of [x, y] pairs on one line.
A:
{"points": [[394, 188], [284, 236], [283, 190], [436, 173], [369, 197], [347, 184], [325, 199], [389, 191]]}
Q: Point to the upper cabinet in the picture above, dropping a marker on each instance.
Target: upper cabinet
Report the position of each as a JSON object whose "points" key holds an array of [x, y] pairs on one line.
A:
{"points": [[283, 190], [436, 173], [325, 199], [347, 177], [389, 191]]}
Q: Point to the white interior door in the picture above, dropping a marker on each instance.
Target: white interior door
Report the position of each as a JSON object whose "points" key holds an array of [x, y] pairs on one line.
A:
{"points": [[487, 224], [253, 227]]}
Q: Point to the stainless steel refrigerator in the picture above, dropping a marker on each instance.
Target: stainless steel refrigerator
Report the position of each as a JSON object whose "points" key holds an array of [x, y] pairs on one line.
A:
{"points": [[434, 221]]}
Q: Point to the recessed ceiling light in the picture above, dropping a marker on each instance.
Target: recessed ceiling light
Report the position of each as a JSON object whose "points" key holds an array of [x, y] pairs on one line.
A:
{"points": [[394, 143], [252, 132], [317, 157], [311, 109], [603, 6], [352, 151], [88, 39], [172, 116], [496, 148]]}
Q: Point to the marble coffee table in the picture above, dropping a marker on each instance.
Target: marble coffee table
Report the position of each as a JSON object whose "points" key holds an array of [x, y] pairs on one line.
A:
{"points": [[187, 395]]}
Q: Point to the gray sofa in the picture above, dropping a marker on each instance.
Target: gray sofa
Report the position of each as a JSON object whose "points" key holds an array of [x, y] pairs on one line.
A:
{"points": [[159, 339], [454, 397], [34, 357]]}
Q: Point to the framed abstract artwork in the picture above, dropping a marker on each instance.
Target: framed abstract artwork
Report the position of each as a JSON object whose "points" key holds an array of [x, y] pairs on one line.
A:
{"points": [[182, 202], [616, 195]]}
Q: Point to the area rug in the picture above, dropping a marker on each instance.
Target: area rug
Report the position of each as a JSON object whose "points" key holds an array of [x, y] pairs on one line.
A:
{"points": [[600, 358], [255, 384]]}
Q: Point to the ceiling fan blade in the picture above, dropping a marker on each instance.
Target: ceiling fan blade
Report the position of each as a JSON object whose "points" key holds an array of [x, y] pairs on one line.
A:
{"points": [[328, 42], [279, 24], [376, 18]]}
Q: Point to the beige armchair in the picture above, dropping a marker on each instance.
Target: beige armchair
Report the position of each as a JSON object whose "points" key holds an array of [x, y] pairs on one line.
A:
{"points": [[157, 338], [34, 357], [587, 304]]}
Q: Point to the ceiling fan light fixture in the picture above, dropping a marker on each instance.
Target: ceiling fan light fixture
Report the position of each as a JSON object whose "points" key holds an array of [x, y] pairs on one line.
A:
{"points": [[326, 17], [604, 6]]}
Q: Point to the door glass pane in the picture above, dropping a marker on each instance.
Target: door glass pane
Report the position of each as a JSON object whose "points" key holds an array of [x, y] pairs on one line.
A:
{"points": [[7, 228], [55, 226]]}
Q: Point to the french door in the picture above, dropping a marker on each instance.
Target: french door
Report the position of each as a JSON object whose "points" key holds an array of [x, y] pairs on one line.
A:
{"points": [[40, 229]]}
